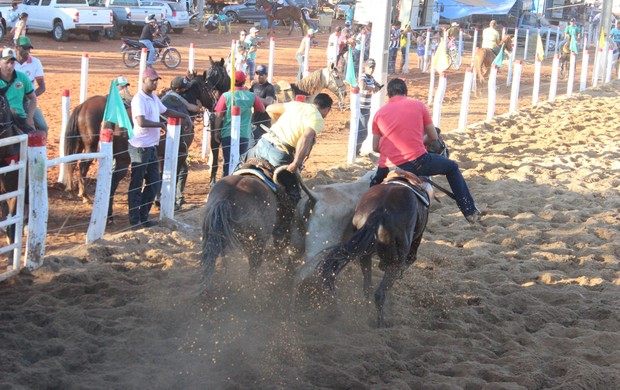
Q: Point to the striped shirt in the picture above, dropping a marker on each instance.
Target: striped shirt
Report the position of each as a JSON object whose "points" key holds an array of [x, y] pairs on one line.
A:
{"points": [[366, 93]]}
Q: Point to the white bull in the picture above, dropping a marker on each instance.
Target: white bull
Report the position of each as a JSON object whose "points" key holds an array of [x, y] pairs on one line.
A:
{"points": [[323, 218]]}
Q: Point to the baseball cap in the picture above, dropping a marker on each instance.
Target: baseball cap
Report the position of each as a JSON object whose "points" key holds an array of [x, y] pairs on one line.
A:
{"points": [[179, 82], [261, 70], [122, 81], [573, 20], [239, 78], [370, 62], [8, 54], [25, 42], [455, 24], [311, 31], [150, 73], [253, 30]]}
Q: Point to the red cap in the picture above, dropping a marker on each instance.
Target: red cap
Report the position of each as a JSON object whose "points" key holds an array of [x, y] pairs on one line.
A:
{"points": [[239, 78], [150, 73]]}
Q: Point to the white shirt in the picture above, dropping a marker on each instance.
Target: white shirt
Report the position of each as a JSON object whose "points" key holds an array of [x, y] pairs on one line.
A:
{"points": [[32, 67], [332, 48], [151, 108], [490, 37]]}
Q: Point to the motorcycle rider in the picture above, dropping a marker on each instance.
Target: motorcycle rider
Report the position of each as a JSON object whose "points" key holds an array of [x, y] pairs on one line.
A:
{"points": [[149, 30]]}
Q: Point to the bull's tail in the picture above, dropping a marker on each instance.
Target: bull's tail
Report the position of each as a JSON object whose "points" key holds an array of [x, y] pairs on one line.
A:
{"points": [[361, 243], [217, 234], [73, 145]]}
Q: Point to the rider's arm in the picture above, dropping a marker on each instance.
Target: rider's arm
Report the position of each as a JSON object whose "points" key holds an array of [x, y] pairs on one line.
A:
{"points": [[375, 143], [32, 105], [40, 86], [430, 134], [302, 150], [275, 111]]}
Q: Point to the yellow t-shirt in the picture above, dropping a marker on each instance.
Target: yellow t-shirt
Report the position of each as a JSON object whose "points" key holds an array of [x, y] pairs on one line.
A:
{"points": [[297, 117]]}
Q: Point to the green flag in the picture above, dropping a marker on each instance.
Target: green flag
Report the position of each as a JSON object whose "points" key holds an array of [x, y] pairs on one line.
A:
{"points": [[349, 76], [500, 57], [115, 111], [574, 47]]}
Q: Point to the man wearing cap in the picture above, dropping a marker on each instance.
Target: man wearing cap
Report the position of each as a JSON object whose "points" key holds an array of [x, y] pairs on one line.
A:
{"points": [[144, 184], [123, 89], [32, 67], [572, 31], [247, 101], [333, 49], [251, 46], [149, 31], [267, 95], [453, 31], [17, 88], [301, 52], [19, 29], [173, 100], [368, 86]]}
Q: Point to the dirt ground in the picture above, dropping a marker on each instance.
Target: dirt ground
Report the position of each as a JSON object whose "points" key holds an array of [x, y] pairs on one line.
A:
{"points": [[68, 218]]}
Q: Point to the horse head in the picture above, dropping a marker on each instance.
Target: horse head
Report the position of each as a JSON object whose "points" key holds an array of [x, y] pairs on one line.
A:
{"points": [[507, 42], [217, 76], [335, 83]]}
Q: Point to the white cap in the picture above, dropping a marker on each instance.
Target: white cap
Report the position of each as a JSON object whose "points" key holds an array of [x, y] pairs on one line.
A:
{"points": [[253, 30], [311, 31], [122, 81], [455, 24], [8, 54]]}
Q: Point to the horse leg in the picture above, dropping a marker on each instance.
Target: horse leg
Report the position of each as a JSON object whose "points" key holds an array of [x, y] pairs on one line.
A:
{"points": [[121, 165], [392, 272], [366, 264], [215, 153], [83, 167], [255, 258]]}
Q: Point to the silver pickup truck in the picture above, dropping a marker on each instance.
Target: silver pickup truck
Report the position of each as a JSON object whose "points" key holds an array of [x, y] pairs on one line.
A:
{"points": [[129, 15], [536, 23]]}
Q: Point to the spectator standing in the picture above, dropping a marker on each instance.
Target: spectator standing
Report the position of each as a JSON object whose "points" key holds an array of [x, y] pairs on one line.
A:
{"points": [[401, 130], [368, 86], [615, 35], [33, 68], [333, 47], [123, 89], [18, 89], [420, 49], [13, 15], [301, 52], [267, 95], [19, 30], [149, 31], [144, 184], [403, 45], [572, 33], [393, 46], [251, 46], [343, 48], [247, 101]]}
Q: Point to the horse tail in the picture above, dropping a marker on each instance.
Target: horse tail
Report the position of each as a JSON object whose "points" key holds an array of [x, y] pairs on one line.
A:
{"points": [[72, 145], [361, 243], [217, 234]]}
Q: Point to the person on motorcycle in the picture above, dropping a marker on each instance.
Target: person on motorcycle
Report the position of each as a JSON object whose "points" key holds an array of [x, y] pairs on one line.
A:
{"points": [[149, 30]]}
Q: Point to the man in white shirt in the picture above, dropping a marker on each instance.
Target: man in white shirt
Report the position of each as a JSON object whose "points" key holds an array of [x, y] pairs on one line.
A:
{"points": [[33, 68], [333, 47], [490, 38]]}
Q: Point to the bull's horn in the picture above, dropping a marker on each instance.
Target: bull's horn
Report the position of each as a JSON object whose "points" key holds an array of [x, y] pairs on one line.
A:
{"points": [[312, 196]]}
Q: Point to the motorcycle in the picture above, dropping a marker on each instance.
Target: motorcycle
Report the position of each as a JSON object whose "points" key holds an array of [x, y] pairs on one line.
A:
{"points": [[132, 49]]}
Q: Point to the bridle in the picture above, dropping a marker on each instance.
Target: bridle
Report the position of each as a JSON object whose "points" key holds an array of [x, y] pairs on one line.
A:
{"points": [[336, 85]]}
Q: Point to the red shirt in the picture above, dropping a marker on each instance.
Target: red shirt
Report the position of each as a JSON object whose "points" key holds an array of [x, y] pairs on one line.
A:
{"points": [[401, 126]]}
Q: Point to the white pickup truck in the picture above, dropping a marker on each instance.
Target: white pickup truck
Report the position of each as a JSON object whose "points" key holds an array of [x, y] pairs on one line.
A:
{"points": [[61, 17]]}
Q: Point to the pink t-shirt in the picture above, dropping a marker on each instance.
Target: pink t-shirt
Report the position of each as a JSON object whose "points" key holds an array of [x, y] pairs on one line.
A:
{"points": [[401, 126]]}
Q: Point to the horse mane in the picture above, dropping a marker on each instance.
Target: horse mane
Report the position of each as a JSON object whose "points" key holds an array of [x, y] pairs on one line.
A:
{"points": [[312, 83]]}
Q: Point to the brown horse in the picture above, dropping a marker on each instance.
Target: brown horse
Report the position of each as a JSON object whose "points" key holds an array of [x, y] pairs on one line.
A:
{"points": [[483, 59], [284, 14], [564, 57], [389, 220]]}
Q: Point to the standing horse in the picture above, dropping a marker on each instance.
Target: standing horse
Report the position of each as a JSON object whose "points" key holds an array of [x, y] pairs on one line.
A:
{"points": [[483, 59], [287, 13], [389, 220], [311, 85]]}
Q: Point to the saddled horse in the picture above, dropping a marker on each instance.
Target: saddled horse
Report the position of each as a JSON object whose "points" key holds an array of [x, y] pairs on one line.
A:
{"points": [[82, 135], [243, 212], [312, 84], [284, 14], [483, 58], [564, 57], [389, 220]]}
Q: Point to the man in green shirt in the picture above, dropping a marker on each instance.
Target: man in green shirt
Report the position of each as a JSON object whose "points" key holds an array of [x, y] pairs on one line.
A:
{"points": [[16, 86]]}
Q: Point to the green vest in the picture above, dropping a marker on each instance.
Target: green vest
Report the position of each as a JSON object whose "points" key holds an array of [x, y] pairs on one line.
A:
{"points": [[245, 100]]}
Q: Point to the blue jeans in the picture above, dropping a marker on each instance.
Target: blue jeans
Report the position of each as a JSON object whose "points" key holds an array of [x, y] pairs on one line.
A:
{"points": [[300, 72], [431, 164], [267, 151], [392, 59], [244, 144], [251, 69], [144, 184], [150, 60], [362, 129]]}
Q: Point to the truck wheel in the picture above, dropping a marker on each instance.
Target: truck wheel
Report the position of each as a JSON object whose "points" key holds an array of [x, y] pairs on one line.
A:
{"points": [[59, 32], [232, 16], [194, 24], [171, 58], [178, 30], [131, 58], [165, 28], [94, 36], [114, 32]]}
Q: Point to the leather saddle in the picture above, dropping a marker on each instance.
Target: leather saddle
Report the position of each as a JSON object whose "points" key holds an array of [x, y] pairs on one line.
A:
{"points": [[422, 190]]}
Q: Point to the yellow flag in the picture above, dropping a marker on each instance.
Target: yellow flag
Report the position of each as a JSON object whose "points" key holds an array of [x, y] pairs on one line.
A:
{"points": [[232, 73], [601, 39], [441, 62], [540, 51]]}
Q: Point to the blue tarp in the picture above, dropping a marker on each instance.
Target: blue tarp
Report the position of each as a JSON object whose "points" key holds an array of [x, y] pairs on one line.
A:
{"points": [[454, 9]]}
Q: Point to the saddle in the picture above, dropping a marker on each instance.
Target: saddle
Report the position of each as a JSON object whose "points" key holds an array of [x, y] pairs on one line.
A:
{"points": [[411, 181], [261, 169]]}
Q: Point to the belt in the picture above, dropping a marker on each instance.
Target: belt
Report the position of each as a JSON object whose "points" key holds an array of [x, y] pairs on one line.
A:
{"points": [[272, 139]]}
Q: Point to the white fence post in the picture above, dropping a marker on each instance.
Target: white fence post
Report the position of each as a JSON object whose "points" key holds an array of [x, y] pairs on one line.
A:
{"points": [[597, 65], [515, 46], [406, 63], [492, 86], [557, 41], [553, 86], [38, 213], [536, 87], [516, 84], [66, 112], [438, 102], [206, 134], [608, 64], [192, 57], [527, 42], [431, 87], [169, 174], [354, 124], [306, 71], [584, 70], [363, 49], [546, 41], [98, 218], [460, 48], [467, 83], [272, 51], [474, 45], [235, 134], [84, 78], [427, 49], [143, 55], [571, 74]]}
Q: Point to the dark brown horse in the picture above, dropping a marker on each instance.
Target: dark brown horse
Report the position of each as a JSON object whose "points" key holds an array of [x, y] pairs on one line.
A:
{"points": [[288, 14], [483, 59], [389, 220]]}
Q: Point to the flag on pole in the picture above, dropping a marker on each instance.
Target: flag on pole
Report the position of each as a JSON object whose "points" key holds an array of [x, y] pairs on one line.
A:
{"points": [[349, 76], [115, 110], [540, 50], [441, 61], [601, 39], [232, 73], [573, 44], [500, 57]]}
